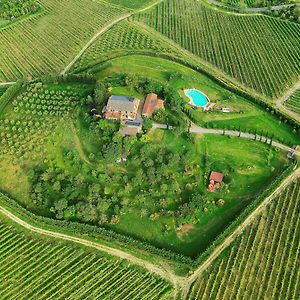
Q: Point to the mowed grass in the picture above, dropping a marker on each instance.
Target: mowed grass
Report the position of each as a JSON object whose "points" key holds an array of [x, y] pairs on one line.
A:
{"points": [[265, 62], [244, 114], [263, 263], [36, 267], [46, 43]]}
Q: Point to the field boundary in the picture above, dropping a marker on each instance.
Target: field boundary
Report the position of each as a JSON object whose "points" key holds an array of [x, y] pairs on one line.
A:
{"points": [[280, 102], [178, 282], [253, 10], [249, 136], [160, 271], [93, 39], [103, 30], [220, 248]]}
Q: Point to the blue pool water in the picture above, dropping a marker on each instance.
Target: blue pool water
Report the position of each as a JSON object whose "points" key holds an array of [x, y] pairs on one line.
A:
{"points": [[197, 98]]}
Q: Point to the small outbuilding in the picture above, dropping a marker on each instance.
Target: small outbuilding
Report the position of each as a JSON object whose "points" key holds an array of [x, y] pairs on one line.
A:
{"points": [[216, 176], [152, 104], [215, 180]]}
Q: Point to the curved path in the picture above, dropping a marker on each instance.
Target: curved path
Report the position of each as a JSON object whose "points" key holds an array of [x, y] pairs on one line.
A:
{"points": [[251, 9], [101, 31], [199, 130], [3, 84], [178, 282], [93, 39], [219, 249], [285, 97], [160, 271]]}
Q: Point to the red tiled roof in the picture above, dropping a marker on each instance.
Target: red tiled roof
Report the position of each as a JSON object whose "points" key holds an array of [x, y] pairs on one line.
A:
{"points": [[216, 176], [152, 104], [112, 115]]}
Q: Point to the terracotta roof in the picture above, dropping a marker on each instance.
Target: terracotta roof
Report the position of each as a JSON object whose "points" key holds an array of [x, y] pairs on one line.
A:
{"points": [[112, 115], [216, 176], [152, 104]]}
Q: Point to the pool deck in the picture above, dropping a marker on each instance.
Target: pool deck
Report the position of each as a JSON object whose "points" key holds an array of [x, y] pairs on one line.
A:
{"points": [[191, 99]]}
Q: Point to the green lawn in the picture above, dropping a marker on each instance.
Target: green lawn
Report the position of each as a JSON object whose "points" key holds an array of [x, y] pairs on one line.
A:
{"points": [[125, 91], [245, 114]]}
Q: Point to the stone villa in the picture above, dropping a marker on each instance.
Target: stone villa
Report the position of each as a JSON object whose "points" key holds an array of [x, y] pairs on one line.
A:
{"points": [[121, 108], [130, 111]]}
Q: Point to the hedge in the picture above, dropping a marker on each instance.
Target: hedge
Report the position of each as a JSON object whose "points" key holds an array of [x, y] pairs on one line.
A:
{"points": [[9, 94]]}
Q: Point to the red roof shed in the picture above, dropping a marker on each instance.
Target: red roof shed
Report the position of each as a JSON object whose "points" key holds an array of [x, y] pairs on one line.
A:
{"points": [[216, 176]]}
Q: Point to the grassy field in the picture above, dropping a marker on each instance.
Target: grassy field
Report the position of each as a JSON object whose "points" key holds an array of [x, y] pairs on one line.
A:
{"points": [[293, 103], [35, 267], [56, 162], [47, 42], [264, 262], [244, 114], [267, 63]]}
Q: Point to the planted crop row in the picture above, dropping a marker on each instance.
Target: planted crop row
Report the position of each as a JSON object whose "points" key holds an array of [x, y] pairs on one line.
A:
{"points": [[264, 262], [37, 269], [37, 109], [125, 37], [293, 103], [267, 62], [45, 44]]}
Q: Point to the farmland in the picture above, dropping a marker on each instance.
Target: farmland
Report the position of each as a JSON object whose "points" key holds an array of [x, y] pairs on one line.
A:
{"points": [[293, 103], [264, 262], [123, 39], [148, 150], [35, 267], [67, 27], [133, 4], [267, 63]]}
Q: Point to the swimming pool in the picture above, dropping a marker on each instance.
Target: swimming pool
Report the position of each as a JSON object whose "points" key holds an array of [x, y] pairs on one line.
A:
{"points": [[197, 98]]}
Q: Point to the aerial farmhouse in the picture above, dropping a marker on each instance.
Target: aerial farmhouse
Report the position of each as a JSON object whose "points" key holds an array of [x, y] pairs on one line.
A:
{"points": [[121, 108], [130, 111]]}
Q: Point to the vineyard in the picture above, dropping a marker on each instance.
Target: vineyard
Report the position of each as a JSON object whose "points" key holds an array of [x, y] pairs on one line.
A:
{"points": [[293, 103], [41, 45], [133, 4], [253, 3], [264, 262], [124, 38], [34, 268], [267, 63]]}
